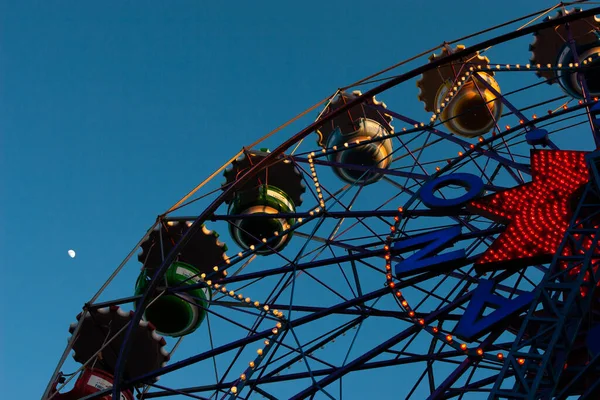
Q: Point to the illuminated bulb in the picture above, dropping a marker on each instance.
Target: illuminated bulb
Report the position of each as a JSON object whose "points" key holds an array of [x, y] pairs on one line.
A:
{"points": [[266, 308], [231, 293], [233, 390], [500, 356], [203, 276], [266, 342], [480, 352], [209, 282], [259, 352], [274, 331], [251, 364], [215, 268], [463, 346], [521, 361], [243, 377], [449, 338]]}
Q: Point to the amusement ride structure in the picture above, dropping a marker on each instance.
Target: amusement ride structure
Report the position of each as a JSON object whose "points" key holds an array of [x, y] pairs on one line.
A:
{"points": [[376, 253]]}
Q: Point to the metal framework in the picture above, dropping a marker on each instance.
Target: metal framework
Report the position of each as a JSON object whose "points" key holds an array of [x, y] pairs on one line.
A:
{"points": [[536, 363]]}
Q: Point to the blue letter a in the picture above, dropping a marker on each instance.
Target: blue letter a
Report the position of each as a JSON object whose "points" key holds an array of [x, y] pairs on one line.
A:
{"points": [[472, 325]]}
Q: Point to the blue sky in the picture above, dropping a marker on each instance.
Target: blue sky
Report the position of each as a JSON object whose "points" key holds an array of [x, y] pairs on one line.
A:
{"points": [[111, 111]]}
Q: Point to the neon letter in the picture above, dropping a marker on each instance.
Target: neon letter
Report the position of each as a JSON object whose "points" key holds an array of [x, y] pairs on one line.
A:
{"points": [[472, 183], [472, 325], [424, 259]]}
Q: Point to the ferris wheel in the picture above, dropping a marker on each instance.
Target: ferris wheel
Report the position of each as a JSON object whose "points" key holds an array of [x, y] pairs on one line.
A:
{"points": [[451, 253]]}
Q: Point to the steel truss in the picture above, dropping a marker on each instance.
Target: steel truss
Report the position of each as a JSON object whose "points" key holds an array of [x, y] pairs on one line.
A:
{"points": [[538, 361]]}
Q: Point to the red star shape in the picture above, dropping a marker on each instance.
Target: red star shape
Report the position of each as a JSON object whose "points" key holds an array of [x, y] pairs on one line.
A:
{"points": [[537, 213]]}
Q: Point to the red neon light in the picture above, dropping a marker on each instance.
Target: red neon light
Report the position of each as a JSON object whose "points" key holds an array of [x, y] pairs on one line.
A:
{"points": [[537, 213], [586, 245]]}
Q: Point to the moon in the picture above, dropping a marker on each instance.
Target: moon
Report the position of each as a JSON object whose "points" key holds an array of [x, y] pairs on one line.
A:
{"points": [[71, 253]]}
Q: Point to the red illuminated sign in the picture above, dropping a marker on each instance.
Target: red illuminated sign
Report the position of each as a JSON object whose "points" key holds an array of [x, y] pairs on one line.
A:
{"points": [[537, 213]]}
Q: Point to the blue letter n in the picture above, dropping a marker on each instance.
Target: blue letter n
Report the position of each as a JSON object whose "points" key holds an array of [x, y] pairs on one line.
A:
{"points": [[427, 257]]}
